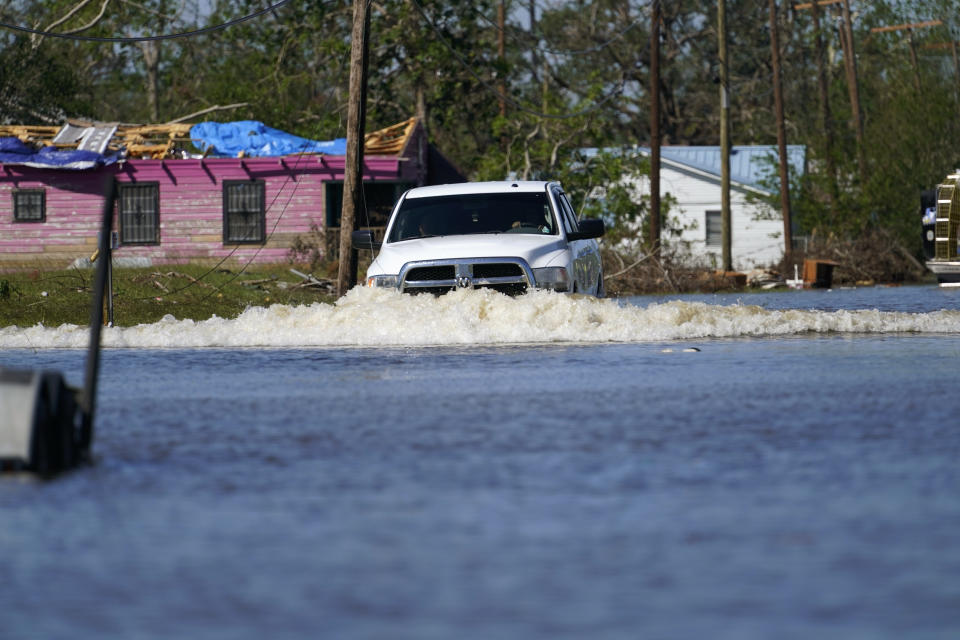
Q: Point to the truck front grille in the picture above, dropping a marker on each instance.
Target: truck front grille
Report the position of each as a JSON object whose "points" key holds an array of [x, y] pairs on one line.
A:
{"points": [[441, 272], [497, 270], [511, 276]]}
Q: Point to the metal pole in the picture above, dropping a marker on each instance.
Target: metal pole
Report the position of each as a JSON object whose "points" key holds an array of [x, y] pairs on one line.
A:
{"points": [[96, 318], [110, 283], [356, 123], [781, 134], [726, 230]]}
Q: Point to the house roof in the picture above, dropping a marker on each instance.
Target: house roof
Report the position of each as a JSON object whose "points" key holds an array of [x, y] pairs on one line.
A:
{"points": [[149, 141], [165, 140], [750, 165]]}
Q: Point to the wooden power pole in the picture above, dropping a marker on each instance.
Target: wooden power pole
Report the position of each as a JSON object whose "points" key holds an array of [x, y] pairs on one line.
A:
{"points": [[655, 131], [909, 27], [853, 86], [781, 133], [356, 125], [826, 119], [502, 55], [726, 231]]}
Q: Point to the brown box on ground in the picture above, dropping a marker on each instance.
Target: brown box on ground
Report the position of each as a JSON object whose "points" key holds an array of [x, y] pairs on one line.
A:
{"points": [[818, 273]]}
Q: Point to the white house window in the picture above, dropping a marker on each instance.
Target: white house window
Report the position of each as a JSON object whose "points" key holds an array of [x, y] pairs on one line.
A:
{"points": [[29, 205], [714, 226], [244, 212], [138, 210]]}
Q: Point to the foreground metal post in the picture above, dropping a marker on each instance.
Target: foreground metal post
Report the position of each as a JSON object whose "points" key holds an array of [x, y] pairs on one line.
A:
{"points": [[88, 404]]}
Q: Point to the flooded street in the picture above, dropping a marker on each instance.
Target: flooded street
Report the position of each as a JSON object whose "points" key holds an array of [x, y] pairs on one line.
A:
{"points": [[540, 467]]}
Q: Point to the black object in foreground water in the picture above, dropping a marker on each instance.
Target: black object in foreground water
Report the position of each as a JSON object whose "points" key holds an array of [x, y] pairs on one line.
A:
{"points": [[46, 426], [41, 422]]}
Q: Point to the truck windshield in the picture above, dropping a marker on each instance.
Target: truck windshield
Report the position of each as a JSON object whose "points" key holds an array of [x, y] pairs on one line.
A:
{"points": [[473, 213]]}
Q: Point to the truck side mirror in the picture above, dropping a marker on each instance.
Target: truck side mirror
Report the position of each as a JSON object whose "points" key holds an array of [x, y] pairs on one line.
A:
{"points": [[589, 228], [363, 239]]}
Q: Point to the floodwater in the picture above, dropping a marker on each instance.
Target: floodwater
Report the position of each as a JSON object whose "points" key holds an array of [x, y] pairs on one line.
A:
{"points": [[475, 466]]}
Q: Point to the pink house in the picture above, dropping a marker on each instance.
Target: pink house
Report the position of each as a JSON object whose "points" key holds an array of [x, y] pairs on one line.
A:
{"points": [[170, 210]]}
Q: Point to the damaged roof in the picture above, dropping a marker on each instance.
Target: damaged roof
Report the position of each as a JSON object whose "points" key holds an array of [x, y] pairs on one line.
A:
{"points": [[158, 141]]}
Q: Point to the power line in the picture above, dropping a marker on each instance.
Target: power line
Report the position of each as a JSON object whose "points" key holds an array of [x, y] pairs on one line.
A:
{"points": [[171, 36], [516, 105]]}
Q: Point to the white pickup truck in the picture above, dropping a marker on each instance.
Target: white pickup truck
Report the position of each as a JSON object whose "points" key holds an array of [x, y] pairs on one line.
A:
{"points": [[508, 236]]}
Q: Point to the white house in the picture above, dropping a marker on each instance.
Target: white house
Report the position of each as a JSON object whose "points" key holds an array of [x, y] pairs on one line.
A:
{"points": [[691, 176]]}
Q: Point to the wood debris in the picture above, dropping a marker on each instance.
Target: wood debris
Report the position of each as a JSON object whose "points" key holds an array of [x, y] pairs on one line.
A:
{"points": [[391, 140], [171, 140], [310, 281]]}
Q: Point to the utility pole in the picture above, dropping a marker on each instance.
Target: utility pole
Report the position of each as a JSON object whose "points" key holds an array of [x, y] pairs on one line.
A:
{"points": [[356, 124], [533, 47], [655, 131], [826, 119], [850, 62], [952, 45], [913, 59], [726, 236], [781, 134], [909, 27], [502, 56], [956, 69]]}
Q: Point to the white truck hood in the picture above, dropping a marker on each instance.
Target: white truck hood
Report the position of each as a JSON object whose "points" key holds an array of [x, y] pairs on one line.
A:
{"points": [[537, 250]]}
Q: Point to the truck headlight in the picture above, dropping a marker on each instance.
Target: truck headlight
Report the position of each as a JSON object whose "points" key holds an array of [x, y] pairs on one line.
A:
{"points": [[382, 281], [555, 278]]}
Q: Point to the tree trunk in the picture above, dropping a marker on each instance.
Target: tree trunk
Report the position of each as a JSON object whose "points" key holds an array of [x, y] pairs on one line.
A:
{"points": [[151, 63]]}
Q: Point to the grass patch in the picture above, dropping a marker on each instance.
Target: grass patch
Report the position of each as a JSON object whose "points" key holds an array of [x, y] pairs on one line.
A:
{"points": [[144, 295]]}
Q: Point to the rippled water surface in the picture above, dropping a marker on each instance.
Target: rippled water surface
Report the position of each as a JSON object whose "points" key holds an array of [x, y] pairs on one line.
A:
{"points": [[486, 467]]}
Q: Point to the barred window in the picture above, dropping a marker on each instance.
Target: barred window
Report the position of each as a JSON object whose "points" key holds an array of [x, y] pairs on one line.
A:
{"points": [[29, 205], [244, 212], [714, 229], [139, 212]]}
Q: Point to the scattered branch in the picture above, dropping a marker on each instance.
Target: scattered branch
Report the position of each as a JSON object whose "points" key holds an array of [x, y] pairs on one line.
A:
{"points": [[218, 107]]}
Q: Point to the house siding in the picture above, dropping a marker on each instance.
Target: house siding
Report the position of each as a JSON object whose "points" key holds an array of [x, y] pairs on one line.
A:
{"points": [[190, 206], [756, 241]]}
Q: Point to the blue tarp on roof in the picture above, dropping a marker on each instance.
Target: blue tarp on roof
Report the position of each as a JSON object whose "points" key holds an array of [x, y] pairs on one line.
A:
{"points": [[13, 151], [253, 138]]}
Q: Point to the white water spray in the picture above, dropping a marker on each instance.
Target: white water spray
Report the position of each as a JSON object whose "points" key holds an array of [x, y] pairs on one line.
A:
{"points": [[372, 317]]}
